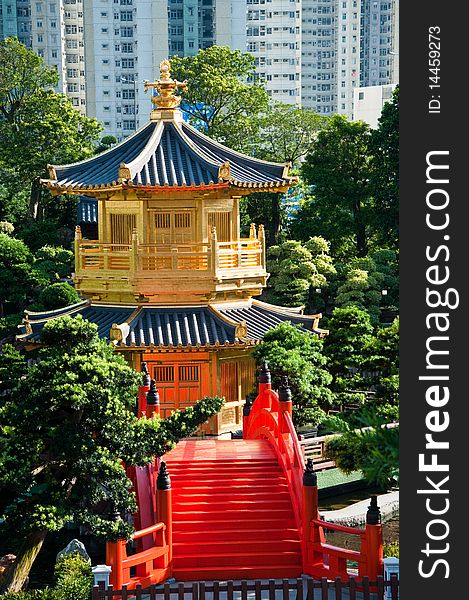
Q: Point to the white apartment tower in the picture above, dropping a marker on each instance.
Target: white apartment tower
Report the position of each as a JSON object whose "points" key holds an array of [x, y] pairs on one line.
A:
{"points": [[319, 56], [346, 44], [125, 42], [273, 36], [55, 30]]}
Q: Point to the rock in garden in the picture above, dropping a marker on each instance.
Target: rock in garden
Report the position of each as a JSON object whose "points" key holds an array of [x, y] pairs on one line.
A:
{"points": [[74, 547]]}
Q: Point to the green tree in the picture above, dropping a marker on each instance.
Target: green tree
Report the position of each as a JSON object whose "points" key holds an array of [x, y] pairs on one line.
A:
{"points": [[373, 449], [350, 332], [298, 354], [39, 125], [287, 132], [58, 295], [296, 268], [55, 261], [338, 168], [219, 102], [66, 427], [22, 74], [107, 142], [19, 279], [365, 280], [382, 364], [384, 174]]}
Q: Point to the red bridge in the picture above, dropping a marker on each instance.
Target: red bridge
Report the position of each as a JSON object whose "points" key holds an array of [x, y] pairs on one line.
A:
{"points": [[239, 509]]}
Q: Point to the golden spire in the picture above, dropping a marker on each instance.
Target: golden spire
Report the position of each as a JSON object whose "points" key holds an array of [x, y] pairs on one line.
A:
{"points": [[166, 88]]}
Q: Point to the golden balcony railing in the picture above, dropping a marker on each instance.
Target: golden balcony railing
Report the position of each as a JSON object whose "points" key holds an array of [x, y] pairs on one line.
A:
{"points": [[219, 259]]}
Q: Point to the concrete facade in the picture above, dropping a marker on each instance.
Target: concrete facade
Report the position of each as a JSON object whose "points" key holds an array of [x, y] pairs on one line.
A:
{"points": [[369, 102], [273, 36]]}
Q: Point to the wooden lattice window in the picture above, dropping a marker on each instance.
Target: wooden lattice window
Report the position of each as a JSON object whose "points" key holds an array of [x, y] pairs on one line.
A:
{"points": [[163, 220], [222, 221], [189, 373], [122, 227], [163, 374], [182, 220], [173, 227]]}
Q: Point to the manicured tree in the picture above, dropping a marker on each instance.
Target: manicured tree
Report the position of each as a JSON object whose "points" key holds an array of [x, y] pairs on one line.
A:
{"points": [[66, 427], [350, 332], [58, 295], [374, 450], [382, 364], [55, 261], [295, 267], [298, 354], [18, 277]]}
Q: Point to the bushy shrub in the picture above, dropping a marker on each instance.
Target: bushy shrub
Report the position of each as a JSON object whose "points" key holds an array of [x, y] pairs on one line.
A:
{"points": [[391, 549], [45, 594], [58, 295], [74, 578], [55, 261], [7, 227]]}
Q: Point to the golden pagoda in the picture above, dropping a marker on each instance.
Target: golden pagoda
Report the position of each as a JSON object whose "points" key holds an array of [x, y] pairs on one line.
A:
{"points": [[169, 280]]}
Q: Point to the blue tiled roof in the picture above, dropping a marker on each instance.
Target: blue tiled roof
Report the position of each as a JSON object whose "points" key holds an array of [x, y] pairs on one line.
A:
{"points": [[167, 153], [179, 326], [260, 317]]}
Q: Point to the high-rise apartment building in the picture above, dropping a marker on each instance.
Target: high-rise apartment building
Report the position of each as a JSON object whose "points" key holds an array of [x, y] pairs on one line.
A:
{"points": [[309, 52], [125, 42], [195, 25], [55, 30], [346, 44], [378, 28], [273, 36]]}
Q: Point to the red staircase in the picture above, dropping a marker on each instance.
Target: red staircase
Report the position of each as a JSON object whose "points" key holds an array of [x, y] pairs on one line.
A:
{"points": [[232, 513]]}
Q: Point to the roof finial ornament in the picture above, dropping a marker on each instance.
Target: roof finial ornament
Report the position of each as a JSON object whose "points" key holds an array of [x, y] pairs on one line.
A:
{"points": [[166, 87]]}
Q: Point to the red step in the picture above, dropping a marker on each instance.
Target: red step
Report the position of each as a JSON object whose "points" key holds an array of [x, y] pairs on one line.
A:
{"points": [[206, 525], [243, 535], [232, 512], [239, 572], [231, 505], [234, 547], [242, 558]]}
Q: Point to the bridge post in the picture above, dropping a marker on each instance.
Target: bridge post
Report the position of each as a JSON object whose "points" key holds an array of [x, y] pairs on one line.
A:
{"points": [[265, 384], [310, 533], [374, 540], [152, 401], [143, 390], [115, 554], [246, 414], [164, 509], [284, 404]]}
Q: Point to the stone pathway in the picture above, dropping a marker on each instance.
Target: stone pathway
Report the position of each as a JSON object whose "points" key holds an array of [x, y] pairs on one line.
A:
{"points": [[355, 514]]}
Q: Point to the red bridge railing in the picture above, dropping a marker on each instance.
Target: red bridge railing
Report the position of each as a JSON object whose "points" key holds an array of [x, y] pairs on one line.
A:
{"points": [[152, 561], [270, 417]]}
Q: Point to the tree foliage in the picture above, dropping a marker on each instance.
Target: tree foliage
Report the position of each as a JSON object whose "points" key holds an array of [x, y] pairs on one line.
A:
{"points": [[295, 268], [298, 354], [38, 126], [19, 279], [287, 132], [66, 425], [374, 450], [384, 175], [350, 331], [58, 295], [219, 102], [338, 167]]}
